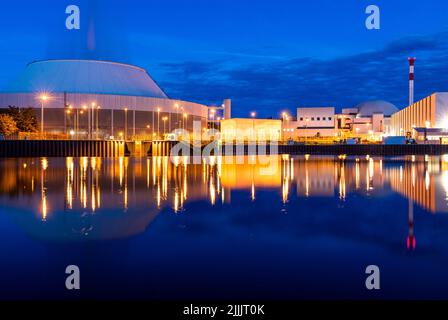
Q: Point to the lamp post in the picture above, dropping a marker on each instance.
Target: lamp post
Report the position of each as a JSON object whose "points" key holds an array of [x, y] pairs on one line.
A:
{"points": [[185, 116], [92, 121], [43, 98], [285, 118], [67, 116], [164, 119], [158, 123], [253, 115], [176, 106], [85, 109], [97, 121], [125, 124]]}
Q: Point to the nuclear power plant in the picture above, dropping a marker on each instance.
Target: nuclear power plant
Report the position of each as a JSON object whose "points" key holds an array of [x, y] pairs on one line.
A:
{"points": [[101, 100]]}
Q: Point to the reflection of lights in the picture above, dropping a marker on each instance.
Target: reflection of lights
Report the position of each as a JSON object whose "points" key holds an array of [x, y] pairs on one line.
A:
{"points": [[357, 175], [44, 207], [427, 181], [401, 174], [342, 183], [307, 180], [158, 196], [286, 179], [44, 163], [69, 182], [176, 201], [212, 192], [121, 169], [371, 168], [413, 175]]}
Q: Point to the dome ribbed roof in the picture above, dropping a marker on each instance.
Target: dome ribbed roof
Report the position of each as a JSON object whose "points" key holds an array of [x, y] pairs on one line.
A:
{"points": [[368, 108], [86, 76]]}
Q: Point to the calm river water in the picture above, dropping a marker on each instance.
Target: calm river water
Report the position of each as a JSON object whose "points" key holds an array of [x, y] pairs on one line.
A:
{"points": [[292, 228]]}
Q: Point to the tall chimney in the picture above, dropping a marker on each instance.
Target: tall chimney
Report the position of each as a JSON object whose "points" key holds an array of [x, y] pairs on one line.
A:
{"points": [[411, 80]]}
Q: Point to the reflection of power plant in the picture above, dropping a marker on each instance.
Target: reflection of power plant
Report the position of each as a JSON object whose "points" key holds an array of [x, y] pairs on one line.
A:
{"points": [[93, 198]]}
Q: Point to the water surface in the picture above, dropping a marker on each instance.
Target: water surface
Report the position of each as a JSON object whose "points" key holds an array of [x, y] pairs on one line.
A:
{"points": [[297, 228]]}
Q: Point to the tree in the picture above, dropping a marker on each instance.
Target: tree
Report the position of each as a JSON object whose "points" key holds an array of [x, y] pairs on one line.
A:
{"points": [[7, 125], [25, 119]]}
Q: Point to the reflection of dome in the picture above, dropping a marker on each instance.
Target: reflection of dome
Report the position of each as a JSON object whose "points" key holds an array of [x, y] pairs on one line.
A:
{"points": [[368, 108]]}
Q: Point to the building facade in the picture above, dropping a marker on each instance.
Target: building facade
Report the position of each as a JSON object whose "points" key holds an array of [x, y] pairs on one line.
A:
{"points": [[426, 119], [249, 129], [100, 99]]}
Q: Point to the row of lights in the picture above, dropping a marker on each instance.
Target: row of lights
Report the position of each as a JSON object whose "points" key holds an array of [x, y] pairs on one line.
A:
{"points": [[44, 98]]}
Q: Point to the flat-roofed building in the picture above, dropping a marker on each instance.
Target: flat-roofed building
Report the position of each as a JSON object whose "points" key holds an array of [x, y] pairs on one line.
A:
{"points": [[429, 113], [251, 129], [315, 121]]}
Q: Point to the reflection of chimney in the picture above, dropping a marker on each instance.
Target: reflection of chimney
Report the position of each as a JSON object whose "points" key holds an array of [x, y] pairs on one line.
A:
{"points": [[411, 80], [227, 109]]}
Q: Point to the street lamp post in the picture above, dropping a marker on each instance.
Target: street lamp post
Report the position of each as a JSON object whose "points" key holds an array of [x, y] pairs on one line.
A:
{"points": [[176, 106], [164, 119], [253, 115], [92, 121], [285, 119], [158, 123], [84, 107], [185, 116], [97, 121], [125, 124], [76, 122], [43, 99], [148, 127]]}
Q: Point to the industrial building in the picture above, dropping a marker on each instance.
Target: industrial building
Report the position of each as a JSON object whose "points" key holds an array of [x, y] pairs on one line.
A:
{"points": [[366, 120], [251, 129], [100, 99], [426, 120]]}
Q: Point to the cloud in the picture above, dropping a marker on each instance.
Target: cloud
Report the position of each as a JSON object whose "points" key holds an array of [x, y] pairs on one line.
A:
{"points": [[271, 86]]}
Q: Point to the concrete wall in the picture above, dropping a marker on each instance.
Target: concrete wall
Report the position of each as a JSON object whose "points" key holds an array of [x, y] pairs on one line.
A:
{"points": [[431, 111], [250, 129], [319, 117]]}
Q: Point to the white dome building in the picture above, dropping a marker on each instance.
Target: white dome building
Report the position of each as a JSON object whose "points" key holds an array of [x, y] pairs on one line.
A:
{"points": [[370, 118], [369, 108], [107, 99]]}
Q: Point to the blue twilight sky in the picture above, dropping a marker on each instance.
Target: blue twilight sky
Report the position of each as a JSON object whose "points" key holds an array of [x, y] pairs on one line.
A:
{"points": [[267, 56]]}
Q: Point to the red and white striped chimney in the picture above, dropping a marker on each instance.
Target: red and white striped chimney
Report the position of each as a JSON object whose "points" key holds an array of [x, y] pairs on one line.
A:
{"points": [[411, 80]]}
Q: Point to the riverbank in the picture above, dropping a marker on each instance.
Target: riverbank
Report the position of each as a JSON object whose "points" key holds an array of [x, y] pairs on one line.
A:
{"points": [[94, 148]]}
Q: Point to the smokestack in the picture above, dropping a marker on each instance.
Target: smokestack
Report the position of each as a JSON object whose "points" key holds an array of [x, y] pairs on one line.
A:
{"points": [[227, 109], [411, 80]]}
